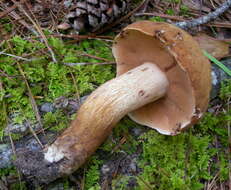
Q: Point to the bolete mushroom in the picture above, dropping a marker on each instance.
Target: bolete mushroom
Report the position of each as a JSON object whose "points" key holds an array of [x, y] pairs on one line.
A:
{"points": [[163, 82]]}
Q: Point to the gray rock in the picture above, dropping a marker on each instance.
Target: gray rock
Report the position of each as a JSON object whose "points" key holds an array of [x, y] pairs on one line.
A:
{"points": [[129, 165], [70, 105], [16, 128], [68, 3], [5, 155], [218, 75], [21, 128], [105, 169], [31, 144], [137, 131], [47, 107], [61, 102]]}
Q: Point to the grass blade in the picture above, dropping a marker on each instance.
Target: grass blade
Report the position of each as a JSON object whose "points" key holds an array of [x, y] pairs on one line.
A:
{"points": [[218, 63]]}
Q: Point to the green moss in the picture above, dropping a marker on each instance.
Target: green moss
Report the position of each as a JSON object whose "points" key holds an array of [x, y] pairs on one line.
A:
{"points": [[93, 173], [157, 19], [120, 183], [13, 172], [170, 12], [49, 80], [184, 10], [187, 160], [225, 91]]}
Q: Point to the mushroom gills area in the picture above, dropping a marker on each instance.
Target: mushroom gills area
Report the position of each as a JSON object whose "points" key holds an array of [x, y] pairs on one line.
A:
{"points": [[175, 110]]}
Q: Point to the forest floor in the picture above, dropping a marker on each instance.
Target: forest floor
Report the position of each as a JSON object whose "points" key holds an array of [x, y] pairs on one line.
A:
{"points": [[46, 73]]}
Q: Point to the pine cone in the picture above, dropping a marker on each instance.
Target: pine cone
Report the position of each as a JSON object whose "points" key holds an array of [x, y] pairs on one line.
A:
{"points": [[91, 15]]}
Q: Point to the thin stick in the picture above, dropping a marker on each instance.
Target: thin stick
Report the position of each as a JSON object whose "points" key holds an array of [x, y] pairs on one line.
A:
{"points": [[32, 100], [94, 57], [76, 87], [15, 16], [35, 135], [38, 28], [10, 9], [205, 19], [179, 18], [103, 63], [17, 57]]}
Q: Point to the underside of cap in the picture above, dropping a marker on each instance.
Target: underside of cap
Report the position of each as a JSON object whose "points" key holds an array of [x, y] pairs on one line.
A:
{"points": [[178, 55]]}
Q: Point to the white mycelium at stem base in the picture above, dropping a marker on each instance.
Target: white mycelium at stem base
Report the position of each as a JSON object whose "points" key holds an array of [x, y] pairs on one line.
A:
{"points": [[102, 110]]}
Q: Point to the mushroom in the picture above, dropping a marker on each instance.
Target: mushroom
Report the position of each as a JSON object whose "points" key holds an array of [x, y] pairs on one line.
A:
{"points": [[163, 82], [179, 56]]}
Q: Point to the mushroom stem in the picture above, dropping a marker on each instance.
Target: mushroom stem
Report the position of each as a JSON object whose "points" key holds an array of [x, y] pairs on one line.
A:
{"points": [[103, 109], [99, 114]]}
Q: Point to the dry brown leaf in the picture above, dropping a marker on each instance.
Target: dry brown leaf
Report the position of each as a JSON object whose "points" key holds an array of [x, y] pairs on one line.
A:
{"points": [[217, 48]]}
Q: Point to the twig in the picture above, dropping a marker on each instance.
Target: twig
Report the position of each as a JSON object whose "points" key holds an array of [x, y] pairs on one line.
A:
{"points": [[17, 57], [2, 186], [94, 57], [32, 100], [35, 135], [83, 37], [211, 185], [76, 87], [9, 10], [205, 19], [38, 28], [14, 153], [145, 6], [179, 18], [3, 74], [103, 63], [15, 16]]}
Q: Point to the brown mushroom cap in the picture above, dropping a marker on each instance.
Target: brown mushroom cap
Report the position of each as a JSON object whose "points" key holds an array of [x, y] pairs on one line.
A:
{"points": [[177, 54]]}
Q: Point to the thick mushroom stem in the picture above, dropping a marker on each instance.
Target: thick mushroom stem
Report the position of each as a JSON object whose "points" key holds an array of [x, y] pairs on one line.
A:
{"points": [[97, 117], [103, 109]]}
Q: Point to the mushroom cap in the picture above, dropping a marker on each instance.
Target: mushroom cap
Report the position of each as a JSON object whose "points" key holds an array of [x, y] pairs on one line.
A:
{"points": [[179, 56]]}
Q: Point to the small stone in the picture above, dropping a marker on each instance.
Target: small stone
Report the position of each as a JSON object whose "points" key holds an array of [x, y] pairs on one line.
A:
{"points": [[133, 166], [105, 169], [137, 131], [16, 128], [47, 107], [5, 155], [61, 102], [218, 75], [67, 3], [33, 144], [21, 128]]}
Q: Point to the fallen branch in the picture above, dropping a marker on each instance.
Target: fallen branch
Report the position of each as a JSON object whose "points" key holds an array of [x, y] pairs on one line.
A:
{"points": [[182, 20], [204, 19]]}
